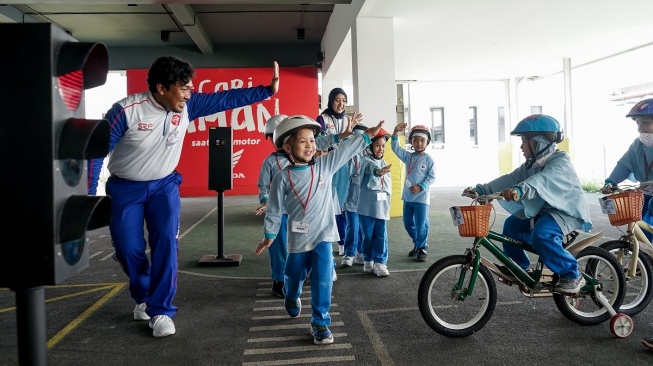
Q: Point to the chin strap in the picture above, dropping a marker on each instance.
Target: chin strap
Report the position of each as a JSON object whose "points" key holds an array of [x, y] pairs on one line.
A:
{"points": [[531, 161]]}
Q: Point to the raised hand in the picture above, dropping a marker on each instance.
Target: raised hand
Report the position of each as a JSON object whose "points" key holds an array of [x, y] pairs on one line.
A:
{"points": [[399, 127], [274, 84], [372, 131]]}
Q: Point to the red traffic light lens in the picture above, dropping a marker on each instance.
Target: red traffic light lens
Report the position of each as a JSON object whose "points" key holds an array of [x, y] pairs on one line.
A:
{"points": [[71, 88]]}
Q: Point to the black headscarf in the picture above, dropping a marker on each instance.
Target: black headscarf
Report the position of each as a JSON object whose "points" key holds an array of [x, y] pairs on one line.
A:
{"points": [[332, 95]]}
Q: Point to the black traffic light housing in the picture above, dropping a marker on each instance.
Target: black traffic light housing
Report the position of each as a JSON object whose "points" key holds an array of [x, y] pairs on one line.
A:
{"points": [[47, 140]]}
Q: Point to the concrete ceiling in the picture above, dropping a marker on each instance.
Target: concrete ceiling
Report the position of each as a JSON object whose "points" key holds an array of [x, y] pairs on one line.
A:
{"points": [[434, 39]]}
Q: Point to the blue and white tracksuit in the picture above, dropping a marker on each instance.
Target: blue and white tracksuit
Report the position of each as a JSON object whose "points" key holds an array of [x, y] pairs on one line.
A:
{"points": [[374, 210], [420, 170], [638, 161], [304, 192], [551, 204], [353, 235], [278, 251], [145, 144]]}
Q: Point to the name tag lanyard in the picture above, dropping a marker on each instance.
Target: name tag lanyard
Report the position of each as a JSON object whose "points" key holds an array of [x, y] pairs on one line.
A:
{"points": [[410, 167], [310, 189]]}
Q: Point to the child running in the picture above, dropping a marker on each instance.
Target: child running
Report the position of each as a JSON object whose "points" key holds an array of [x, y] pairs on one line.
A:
{"points": [[420, 174], [303, 191]]}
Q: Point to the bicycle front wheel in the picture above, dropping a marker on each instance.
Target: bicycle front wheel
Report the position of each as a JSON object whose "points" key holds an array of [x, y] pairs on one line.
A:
{"points": [[583, 308], [639, 287], [440, 301]]}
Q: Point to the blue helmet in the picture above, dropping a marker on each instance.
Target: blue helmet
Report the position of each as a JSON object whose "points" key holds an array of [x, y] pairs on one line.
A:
{"points": [[642, 108], [539, 124]]}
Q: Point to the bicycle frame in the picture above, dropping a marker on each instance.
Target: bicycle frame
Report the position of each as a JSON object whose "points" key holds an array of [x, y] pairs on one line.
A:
{"points": [[635, 235], [532, 282]]}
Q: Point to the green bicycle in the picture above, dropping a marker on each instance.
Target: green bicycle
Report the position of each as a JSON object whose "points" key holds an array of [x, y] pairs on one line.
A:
{"points": [[457, 294]]}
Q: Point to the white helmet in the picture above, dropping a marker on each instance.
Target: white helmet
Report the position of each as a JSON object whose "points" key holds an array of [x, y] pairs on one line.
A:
{"points": [[272, 123], [292, 124]]}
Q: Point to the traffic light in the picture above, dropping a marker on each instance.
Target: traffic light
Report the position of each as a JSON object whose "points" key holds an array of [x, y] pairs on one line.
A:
{"points": [[47, 140]]}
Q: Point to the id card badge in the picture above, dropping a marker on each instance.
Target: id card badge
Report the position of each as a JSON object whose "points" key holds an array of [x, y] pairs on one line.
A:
{"points": [[607, 205], [407, 184], [381, 196], [456, 216], [648, 190], [300, 227], [356, 179]]}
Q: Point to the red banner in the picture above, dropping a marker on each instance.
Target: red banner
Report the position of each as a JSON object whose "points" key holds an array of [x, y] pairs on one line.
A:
{"points": [[297, 95]]}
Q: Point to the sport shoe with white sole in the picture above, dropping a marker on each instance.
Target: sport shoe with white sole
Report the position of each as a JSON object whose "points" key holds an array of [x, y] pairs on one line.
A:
{"points": [[162, 326], [359, 259], [293, 307], [570, 285], [347, 261], [648, 343], [139, 312], [380, 270], [367, 266], [321, 334]]}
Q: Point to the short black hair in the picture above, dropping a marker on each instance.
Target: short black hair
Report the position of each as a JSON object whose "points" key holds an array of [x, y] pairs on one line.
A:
{"points": [[169, 70]]}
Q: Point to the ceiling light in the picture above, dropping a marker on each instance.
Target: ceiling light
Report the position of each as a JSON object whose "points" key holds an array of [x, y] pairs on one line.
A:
{"points": [[301, 33]]}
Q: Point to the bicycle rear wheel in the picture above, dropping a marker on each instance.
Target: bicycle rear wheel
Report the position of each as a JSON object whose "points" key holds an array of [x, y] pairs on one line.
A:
{"points": [[439, 302], [583, 308], [639, 287]]}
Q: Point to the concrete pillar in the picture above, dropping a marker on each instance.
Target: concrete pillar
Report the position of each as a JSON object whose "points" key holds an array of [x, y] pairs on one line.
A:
{"points": [[373, 71]]}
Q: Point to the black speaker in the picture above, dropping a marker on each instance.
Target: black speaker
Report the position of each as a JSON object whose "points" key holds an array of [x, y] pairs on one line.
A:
{"points": [[220, 158]]}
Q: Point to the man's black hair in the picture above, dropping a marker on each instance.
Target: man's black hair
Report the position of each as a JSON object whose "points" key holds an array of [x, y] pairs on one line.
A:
{"points": [[168, 71]]}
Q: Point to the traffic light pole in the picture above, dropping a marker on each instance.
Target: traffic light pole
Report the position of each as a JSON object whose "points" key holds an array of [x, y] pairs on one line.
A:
{"points": [[30, 316], [221, 260]]}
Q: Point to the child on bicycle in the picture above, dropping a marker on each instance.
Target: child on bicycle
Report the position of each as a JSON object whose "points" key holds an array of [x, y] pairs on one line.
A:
{"points": [[548, 201], [374, 206], [638, 159], [303, 190], [420, 174], [272, 164]]}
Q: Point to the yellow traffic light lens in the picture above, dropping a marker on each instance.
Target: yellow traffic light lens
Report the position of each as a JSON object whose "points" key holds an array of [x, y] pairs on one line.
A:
{"points": [[71, 89]]}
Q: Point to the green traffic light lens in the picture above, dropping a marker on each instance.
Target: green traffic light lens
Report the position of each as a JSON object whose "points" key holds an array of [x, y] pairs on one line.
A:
{"points": [[71, 171], [72, 251]]}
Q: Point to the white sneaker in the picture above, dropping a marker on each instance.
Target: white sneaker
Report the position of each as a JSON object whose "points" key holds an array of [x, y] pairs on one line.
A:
{"points": [[139, 312], [358, 259], [335, 275], [381, 270], [367, 266], [341, 249], [347, 261], [162, 326]]}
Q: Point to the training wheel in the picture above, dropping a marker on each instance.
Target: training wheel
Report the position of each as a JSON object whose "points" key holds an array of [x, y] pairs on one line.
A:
{"points": [[621, 325]]}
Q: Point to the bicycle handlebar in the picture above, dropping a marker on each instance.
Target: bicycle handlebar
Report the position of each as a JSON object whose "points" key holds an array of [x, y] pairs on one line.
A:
{"points": [[607, 189]]}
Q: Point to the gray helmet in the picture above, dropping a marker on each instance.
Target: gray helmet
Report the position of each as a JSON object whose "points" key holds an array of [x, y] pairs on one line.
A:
{"points": [[292, 124], [272, 123]]}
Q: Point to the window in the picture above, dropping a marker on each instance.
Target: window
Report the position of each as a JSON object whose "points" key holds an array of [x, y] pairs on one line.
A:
{"points": [[502, 124], [437, 125], [473, 126]]}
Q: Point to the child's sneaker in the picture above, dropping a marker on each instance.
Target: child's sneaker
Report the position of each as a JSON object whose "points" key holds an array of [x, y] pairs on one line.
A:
{"points": [[347, 261], [381, 270], [321, 334], [367, 266], [413, 252], [570, 285], [293, 307], [358, 259], [341, 249], [277, 289], [421, 255]]}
